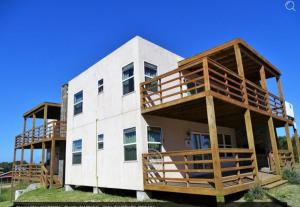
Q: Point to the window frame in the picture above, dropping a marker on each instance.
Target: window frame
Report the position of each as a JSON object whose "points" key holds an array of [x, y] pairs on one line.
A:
{"points": [[153, 85], [77, 103], [129, 144], [101, 86], [224, 145], [98, 142], [126, 67], [161, 137], [76, 152]]}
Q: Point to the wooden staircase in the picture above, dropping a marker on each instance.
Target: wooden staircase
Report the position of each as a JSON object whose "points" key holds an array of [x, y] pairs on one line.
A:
{"points": [[269, 181], [46, 181]]}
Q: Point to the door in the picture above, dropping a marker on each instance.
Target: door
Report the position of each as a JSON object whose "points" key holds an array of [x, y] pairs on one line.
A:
{"points": [[200, 141]]}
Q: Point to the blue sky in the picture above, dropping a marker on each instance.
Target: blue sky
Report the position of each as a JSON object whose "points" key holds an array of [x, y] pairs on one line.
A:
{"points": [[43, 44]]}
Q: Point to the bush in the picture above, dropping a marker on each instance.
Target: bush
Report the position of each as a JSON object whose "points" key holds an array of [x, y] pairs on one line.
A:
{"points": [[292, 177], [2, 198], [255, 193]]}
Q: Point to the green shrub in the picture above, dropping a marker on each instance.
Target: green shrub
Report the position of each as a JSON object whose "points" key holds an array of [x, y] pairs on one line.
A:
{"points": [[255, 193], [292, 177], [2, 198]]}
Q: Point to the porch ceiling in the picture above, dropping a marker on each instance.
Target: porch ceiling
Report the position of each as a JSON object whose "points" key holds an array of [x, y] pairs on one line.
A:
{"points": [[227, 115]]}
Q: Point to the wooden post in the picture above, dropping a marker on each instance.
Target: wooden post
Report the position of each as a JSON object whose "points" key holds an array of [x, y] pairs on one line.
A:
{"points": [[32, 138], [273, 139], [296, 137], [24, 130], [281, 96], [52, 161], [250, 138], [44, 135], [264, 86], [289, 142], [214, 148]]}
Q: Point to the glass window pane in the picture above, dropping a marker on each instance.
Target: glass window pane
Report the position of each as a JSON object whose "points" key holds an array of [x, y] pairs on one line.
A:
{"points": [[76, 158], [150, 70], [128, 86], [228, 139], [77, 145], [220, 139], [78, 97], [100, 145], [154, 147], [154, 134], [205, 141], [129, 136], [130, 152], [78, 108], [127, 71], [100, 137], [100, 82]]}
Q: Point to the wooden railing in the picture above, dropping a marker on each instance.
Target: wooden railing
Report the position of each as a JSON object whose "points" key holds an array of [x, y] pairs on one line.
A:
{"points": [[53, 129], [194, 168], [286, 159], [187, 82], [30, 172]]}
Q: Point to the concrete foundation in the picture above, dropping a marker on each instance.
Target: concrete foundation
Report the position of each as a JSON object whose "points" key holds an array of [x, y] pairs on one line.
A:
{"points": [[143, 195], [96, 190], [68, 188]]}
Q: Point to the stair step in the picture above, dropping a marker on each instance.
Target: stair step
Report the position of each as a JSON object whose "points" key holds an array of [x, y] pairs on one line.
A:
{"points": [[275, 184], [271, 180]]}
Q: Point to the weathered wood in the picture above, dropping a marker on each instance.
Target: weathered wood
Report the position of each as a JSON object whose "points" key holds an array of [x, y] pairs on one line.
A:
{"points": [[44, 135], [274, 145], [52, 159], [296, 137], [214, 145], [24, 130], [289, 141], [32, 138], [250, 138]]}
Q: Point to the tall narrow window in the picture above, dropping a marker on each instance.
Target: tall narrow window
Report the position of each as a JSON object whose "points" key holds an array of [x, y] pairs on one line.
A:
{"points": [[150, 72], [100, 141], [128, 78], [129, 136], [154, 139], [100, 86], [224, 141], [76, 151], [78, 102]]}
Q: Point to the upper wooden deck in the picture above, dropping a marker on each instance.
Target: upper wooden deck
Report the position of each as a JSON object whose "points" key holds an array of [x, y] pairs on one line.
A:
{"points": [[215, 73]]}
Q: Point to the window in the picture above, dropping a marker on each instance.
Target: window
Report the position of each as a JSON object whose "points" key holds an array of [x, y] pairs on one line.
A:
{"points": [[150, 72], [100, 141], [78, 100], [100, 86], [129, 136], [154, 139], [224, 141], [128, 79], [76, 151]]}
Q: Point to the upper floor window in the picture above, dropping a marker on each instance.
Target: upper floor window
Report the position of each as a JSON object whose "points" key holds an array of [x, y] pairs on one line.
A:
{"points": [[154, 139], [128, 78], [100, 86], [100, 141], [150, 72], [129, 136], [77, 151], [78, 102]]}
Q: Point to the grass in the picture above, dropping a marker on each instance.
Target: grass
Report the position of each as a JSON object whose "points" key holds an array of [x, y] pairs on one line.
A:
{"points": [[289, 192]]}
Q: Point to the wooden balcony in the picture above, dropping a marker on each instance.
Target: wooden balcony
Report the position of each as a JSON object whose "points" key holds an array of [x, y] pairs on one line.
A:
{"points": [[53, 130], [193, 82], [192, 171]]}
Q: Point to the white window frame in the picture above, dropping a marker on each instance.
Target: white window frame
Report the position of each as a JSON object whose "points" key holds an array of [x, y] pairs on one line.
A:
{"points": [[128, 144], [161, 137], [100, 141], [79, 102], [101, 85], [76, 151], [123, 80]]}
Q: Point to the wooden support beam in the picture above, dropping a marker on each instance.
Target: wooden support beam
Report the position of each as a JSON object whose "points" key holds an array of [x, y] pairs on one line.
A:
{"points": [[52, 161], [44, 135], [214, 147], [23, 138], [32, 138], [278, 80], [263, 82], [240, 67], [296, 137], [272, 133], [250, 138], [289, 141], [206, 74]]}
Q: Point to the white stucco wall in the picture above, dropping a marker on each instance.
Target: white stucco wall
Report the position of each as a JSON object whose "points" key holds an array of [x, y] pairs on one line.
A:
{"points": [[114, 113]]}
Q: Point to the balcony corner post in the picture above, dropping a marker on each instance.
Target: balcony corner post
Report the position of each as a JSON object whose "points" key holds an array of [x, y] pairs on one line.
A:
{"points": [[44, 133], [214, 148], [272, 134], [296, 137], [289, 144]]}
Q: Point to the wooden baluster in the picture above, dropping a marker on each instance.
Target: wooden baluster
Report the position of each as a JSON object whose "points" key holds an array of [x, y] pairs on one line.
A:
{"points": [[226, 85], [238, 165], [186, 168], [181, 82], [164, 173], [160, 89], [256, 98]]}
